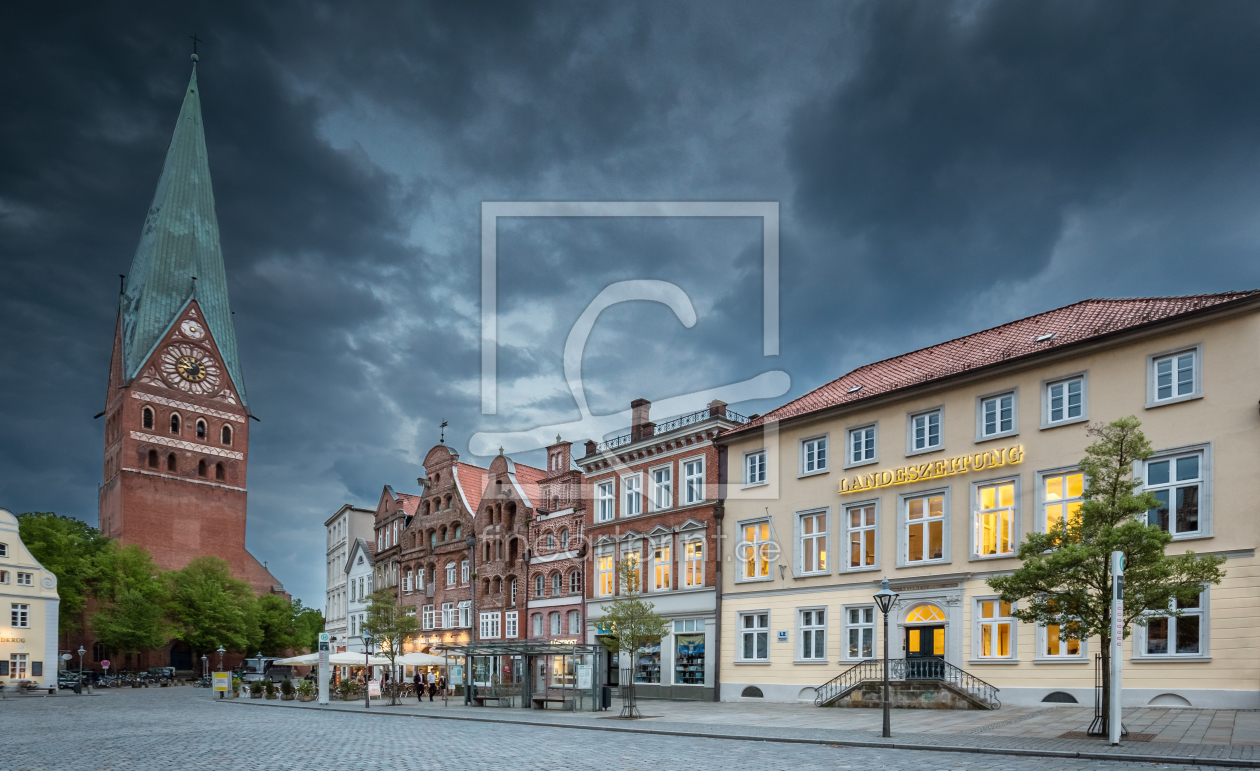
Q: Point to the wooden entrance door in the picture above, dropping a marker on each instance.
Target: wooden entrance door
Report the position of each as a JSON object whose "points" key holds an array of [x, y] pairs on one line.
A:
{"points": [[925, 652]]}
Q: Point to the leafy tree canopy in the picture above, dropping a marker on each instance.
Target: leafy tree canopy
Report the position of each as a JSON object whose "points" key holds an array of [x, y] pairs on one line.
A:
{"points": [[209, 608], [132, 601], [71, 549]]}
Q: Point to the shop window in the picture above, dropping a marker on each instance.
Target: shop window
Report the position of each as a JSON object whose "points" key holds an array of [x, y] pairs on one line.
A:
{"points": [[861, 446], [1063, 495], [996, 416], [995, 520], [925, 432], [754, 636], [693, 568], [226, 435], [605, 570], [631, 495], [814, 455], [1183, 635], [662, 488], [812, 545], [861, 521], [647, 665], [146, 417], [996, 630], [689, 652], [1065, 401], [860, 631], [662, 568], [1173, 377], [509, 624], [1177, 482], [924, 536], [754, 552], [605, 496], [755, 468], [693, 481], [812, 633]]}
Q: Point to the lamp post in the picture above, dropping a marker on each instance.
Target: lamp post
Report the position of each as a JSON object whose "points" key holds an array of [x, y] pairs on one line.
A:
{"points": [[205, 665], [259, 659], [472, 615], [220, 652], [81, 652], [367, 652], [884, 599]]}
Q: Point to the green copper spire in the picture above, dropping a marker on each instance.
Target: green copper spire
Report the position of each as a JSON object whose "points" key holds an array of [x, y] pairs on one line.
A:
{"points": [[180, 241]]}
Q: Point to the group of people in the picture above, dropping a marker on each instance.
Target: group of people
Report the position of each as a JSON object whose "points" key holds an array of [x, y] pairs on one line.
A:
{"points": [[430, 683]]}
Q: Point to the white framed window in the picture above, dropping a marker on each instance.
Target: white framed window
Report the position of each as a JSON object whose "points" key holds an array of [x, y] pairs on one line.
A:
{"points": [[540, 586], [465, 614], [860, 447], [995, 524], [450, 574], [513, 591], [1170, 638], [20, 615], [420, 580], [1179, 481], [859, 632], [861, 522], [997, 415], [4, 576], [755, 468], [1062, 493], [575, 583], [555, 584], [662, 488], [1060, 642], [632, 556], [811, 631], [575, 623], [17, 666], [754, 551], [510, 624], [693, 480], [923, 431], [605, 570], [490, 626], [449, 615], [1065, 400], [811, 544], [1174, 376], [4, 550], [556, 631], [463, 571], [538, 629], [693, 563], [925, 528], [631, 495], [407, 582], [426, 617], [754, 636], [604, 494], [813, 455], [662, 568], [25, 579], [994, 629]]}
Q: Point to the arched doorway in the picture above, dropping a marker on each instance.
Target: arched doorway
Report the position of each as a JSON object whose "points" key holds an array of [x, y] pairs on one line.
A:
{"points": [[925, 643], [181, 656]]}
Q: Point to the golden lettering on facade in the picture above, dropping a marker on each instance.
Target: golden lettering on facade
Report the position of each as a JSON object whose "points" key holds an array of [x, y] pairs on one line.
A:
{"points": [[945, 467]]}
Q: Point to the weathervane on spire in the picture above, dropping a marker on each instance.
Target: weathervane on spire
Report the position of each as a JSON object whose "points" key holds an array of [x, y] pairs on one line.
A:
{"points": [[443, 427], [195, 40]]}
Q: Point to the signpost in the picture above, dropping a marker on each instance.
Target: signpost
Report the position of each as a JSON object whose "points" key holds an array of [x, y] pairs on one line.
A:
{"points": [[1117, 644], [323, 668], [222, 683], [374, 689], [105, 664]]}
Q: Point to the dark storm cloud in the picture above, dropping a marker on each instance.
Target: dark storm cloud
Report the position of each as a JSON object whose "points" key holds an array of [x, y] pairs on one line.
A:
{"points": [[940, 167]]}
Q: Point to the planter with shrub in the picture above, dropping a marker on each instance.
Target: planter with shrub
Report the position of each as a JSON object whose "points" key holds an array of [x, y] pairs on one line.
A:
{"points": [[236, 687], [256, 689], [271, 690], [306, 690], [286, 690]]}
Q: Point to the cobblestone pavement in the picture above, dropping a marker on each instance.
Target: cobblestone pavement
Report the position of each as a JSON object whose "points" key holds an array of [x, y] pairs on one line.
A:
{"points": [[180, 728]]}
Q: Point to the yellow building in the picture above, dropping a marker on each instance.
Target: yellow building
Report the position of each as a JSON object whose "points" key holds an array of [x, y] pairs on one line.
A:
{"points": [[28, 626], [929, 468]]}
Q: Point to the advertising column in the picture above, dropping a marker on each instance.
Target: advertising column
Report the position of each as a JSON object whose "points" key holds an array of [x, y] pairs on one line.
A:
{"points": [[323, 668]]}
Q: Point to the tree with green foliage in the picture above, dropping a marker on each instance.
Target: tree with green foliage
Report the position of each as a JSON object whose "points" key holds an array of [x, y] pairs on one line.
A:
{"points": [[629, 625], [1065, 579], [276, 622], [390, 627], [308, 623], [71, 550], [209, 608], [131, 601]]}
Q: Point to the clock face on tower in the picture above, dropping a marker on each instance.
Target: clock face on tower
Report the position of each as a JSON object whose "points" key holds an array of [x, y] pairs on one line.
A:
{"points": [[190, 369]]}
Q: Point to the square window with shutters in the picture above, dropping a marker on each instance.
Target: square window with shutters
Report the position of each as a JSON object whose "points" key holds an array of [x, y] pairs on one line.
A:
{"points": [[813, 541], [754, 551], [861, 522], [812, 633], [860, 633], [1177, 482], [997, 416], [1065, 401], [925, 528], [755, 468], [861, 446], [1174, 377], [754, 636], [995, 520], [996, 629], [1183, 635], [693, 480], [814, 455]]}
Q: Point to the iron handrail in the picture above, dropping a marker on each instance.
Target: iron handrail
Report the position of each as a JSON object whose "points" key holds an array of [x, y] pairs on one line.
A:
{"points": [[908, 669], [674, 425]]}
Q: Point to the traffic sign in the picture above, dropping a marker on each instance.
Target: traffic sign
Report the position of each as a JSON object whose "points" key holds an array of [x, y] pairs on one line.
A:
{"points": [[323, 637], [105, 663]]}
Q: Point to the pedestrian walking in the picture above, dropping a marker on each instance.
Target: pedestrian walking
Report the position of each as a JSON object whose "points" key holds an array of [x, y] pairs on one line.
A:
{"points": [[432, 685], [418, 682]]}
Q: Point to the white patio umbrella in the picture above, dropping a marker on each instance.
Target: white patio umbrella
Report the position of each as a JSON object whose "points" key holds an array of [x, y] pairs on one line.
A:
{"points": [[307, 660], [356, 660], [422, 660]]}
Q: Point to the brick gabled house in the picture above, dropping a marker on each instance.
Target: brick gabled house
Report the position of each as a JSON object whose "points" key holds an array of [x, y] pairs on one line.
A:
{"points": [[557, 569], [652, 497]]}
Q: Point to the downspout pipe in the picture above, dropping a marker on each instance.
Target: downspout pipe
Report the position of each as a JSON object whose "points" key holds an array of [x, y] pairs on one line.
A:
{"points": [[719, 513]]}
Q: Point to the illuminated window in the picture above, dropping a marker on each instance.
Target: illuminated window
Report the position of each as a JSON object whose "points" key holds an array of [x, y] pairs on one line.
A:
{"points": [[754, 552], [1063, 495], [996, 625], [1061, 640], [925, 528], [636, 576], [605, 575], [813, 542], [995, 519], [662, 568], [693, 569]]}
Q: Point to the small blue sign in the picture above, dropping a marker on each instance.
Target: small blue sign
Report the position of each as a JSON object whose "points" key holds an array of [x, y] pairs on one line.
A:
{"points": [[783, 637]]}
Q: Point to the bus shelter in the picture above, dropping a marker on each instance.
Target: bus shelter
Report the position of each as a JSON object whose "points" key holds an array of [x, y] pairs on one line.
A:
{"points": [[542, 674]]}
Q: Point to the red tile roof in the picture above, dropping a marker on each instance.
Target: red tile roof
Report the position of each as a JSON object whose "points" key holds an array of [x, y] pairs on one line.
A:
{"points": [[1064, 326], [528, 478], [472, 483], [410, 503]]}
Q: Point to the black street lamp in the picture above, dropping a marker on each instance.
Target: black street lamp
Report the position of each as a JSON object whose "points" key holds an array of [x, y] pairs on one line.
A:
{"points": [[472, 615], [884, 599], [81, 652], [367, 652], [205, 665], [220, 652]]}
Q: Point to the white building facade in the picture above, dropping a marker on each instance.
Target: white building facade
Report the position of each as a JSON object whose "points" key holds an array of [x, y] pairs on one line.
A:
{"points": [[359, 586], [342, 529]]}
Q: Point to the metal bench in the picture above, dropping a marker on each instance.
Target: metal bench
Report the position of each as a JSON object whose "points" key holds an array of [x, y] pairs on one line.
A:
{"points": [[541, 702]]}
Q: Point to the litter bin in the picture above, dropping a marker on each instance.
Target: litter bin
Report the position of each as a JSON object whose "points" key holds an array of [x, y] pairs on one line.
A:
{"points": [[78, 688], [606, 697]]}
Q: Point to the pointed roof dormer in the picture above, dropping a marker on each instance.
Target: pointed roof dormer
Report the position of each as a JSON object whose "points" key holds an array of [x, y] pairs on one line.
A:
{"points": [[179, 257]]}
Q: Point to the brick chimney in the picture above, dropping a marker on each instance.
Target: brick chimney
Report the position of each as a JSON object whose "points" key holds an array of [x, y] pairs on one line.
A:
{"points": [[717, 408], [640, 426]]}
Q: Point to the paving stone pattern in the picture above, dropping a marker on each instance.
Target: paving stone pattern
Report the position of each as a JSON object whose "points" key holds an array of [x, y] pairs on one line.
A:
{"points": [[180, 728]]}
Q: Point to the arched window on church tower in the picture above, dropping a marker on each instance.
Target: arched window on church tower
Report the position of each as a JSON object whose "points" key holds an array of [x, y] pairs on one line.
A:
{"points": [[174, 422], [201, 429], [170, 462], [218, 472], [146, 417], [201, 469], [227, 434], [152, 458]]}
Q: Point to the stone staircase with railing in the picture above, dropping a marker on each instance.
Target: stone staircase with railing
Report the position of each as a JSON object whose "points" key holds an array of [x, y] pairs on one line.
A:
{"points": [[913, 684]]}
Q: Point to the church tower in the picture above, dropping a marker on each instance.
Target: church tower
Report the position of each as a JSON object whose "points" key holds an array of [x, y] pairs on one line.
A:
{"points": [[177, 417]]}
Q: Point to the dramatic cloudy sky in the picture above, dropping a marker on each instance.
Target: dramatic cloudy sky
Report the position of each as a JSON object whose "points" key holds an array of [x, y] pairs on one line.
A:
{"points": [[940, 167]]}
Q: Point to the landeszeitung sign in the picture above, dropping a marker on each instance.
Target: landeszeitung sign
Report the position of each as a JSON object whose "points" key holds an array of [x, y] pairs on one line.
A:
{"points": [[933, 469]]}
